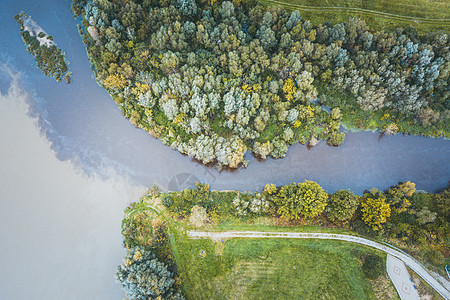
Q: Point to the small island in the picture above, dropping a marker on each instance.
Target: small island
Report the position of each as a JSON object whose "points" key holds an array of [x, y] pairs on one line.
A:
{"points": [[205, 244], [49, 58]]}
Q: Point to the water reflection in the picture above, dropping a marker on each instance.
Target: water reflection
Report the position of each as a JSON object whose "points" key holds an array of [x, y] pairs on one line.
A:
{"points": [[84, 125], [60, 230]]}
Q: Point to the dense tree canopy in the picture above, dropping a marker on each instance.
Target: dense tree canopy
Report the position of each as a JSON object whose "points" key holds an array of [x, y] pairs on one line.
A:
{"points": [[214, 79], [137, 229], [49, 58]]}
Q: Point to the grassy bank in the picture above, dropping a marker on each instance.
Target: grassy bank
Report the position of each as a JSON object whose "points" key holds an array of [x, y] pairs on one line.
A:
{"points": [[255, 268], [425, 16], [272, 269], [264, 268]]}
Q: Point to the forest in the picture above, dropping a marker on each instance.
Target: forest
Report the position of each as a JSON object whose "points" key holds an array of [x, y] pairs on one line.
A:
{"points": [[215, 79], [49, 58]]}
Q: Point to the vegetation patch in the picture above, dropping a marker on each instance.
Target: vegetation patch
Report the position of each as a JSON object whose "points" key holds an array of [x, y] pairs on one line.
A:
{"points": [[423, 288], [271, 268], [215, 79], [49, 58], [423, 15], [238, 268]]}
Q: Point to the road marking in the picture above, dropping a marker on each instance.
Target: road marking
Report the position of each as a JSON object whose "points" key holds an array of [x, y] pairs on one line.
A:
{"points": [[400, 277]]}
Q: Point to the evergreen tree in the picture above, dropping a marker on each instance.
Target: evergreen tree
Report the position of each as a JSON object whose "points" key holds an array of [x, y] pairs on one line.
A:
{"points": [[143, 277]]}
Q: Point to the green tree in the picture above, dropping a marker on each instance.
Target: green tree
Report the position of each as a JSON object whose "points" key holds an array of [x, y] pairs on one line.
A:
{"points": [[187, 8], [137, 229], [144, 277], [262, 149], [342, 205], [408, 188], [441, 205], [306, 199], [397, 196], [375, 210], [336, 139]]}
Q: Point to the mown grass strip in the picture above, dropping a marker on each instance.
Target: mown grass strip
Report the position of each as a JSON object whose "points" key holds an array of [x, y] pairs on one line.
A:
{"points": [[413, 15], [361, 10], [272, 268]]}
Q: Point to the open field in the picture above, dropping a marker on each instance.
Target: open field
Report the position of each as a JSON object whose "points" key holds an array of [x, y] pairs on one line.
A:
{"points": [[271, 269], [424, 15], [234, 267]]}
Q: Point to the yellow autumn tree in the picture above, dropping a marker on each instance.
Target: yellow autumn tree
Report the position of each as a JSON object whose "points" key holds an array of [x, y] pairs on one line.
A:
{"points": [[289, 89], [408, 188], [375, 210], [115, 81], [270, 188], [390, 129]]}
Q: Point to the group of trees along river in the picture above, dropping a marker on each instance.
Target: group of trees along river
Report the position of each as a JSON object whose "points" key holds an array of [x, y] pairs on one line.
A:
{"points": [[215, 79]]}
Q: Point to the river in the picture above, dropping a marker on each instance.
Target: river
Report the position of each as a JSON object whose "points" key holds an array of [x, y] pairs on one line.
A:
{"points": [[59, 229], [97, 149]]}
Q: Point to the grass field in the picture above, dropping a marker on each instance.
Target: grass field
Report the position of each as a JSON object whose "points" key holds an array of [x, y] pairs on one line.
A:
{"points": [[271, 269], [424, 15]]}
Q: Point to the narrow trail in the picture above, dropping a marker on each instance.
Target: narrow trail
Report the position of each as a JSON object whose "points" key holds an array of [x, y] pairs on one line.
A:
{"points": [[442, 286], [445, 22]]}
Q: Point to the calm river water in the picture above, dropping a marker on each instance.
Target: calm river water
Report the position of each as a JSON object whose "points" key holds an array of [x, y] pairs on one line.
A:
{"points": [[87, 133]]}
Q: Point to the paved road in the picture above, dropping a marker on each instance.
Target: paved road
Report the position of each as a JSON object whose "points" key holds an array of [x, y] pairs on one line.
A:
{"points": [[442, 287]]}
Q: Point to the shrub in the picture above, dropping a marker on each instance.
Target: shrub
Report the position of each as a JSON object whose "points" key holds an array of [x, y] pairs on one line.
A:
{"points": [[198, 216], [166, 200], [373, 266], [434, 257]]}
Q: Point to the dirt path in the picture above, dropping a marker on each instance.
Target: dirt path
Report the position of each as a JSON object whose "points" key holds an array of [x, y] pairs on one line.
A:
{"points": [[361, 11], [440, 284]]}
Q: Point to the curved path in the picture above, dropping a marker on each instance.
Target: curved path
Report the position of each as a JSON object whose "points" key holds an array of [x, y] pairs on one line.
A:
{"points": [[416, 266], [360, 11]]}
